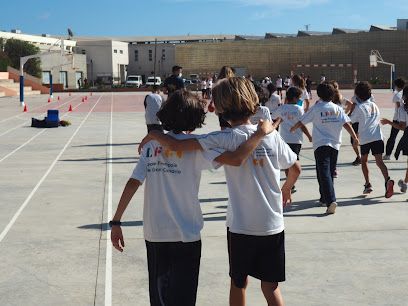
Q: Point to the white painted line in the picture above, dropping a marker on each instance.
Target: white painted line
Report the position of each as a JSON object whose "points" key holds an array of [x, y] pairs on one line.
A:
{"points": [[22, 124], [32, 138], [27, 200], [108, 266]]}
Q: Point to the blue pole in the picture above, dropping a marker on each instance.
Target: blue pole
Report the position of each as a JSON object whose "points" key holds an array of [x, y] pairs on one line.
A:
{"points": [[51, 85], [22, 89]]}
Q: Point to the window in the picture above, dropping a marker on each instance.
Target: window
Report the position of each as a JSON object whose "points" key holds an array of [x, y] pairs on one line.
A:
{"points": [[136, 55], [115, 51], [150, 55], [121, 51], [163, 54]]}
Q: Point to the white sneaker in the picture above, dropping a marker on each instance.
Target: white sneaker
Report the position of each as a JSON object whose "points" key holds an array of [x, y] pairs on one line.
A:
{"points": [[403, 186], [331, 209], [386, 157]]}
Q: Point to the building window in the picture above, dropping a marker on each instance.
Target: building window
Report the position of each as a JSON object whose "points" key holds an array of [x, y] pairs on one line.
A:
{"points": [[136, 55], [121, 51], [163, 54], [150, 55], [115, 51]]}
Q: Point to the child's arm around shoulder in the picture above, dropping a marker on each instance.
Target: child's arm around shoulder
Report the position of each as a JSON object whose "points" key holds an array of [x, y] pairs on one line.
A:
{"points": [[241, 154], [170, 142]]}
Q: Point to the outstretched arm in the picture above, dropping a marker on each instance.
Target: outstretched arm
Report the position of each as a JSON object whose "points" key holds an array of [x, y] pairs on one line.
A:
{"points": [[291, 179], [350, 130], [299, 124], [116, 234], [170, 142], [399, 125], [240, 155]]}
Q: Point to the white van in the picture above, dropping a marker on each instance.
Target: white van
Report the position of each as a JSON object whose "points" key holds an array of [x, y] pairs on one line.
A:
{"points": [[151, 81], [134, 81]]}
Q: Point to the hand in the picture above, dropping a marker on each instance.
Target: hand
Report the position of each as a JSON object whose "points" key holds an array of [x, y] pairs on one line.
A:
{"points": [[310, 139], [117, 238], [385, 121], [265, 127], [292, 129], [286, 196]]}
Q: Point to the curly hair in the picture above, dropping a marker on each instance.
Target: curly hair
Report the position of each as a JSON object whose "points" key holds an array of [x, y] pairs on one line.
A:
{"points": [[363, 91], [183, 111], [326, 91]]}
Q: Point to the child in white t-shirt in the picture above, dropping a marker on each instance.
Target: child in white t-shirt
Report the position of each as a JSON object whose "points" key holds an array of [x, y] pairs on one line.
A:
{"points": [[402, 124], [172, 218], [287, 115], [367, 114], [152, 104], [328, 120], [255, 225], [274, 100], [399, 85], [304, 101]]}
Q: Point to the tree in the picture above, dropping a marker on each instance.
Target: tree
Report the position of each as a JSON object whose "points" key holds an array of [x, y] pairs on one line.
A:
{"points": [[15, 49], [4, 61]]}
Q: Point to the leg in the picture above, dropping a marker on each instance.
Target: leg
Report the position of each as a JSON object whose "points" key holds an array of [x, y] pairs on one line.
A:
{"points": [[364, 168], [406, 174], [237, 295], [380, 164], [391, 140], [325, 156], [272, 293], [322, 196]]}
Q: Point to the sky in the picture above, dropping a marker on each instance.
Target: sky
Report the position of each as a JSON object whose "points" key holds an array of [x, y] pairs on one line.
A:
{"points": [[183, 17]]}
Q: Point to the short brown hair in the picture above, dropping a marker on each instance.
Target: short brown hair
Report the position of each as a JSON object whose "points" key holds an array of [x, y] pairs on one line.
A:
{"points": [[183, 111], [326, 91], [235, 98], [363, 91], [293, 93], [298, 81]]}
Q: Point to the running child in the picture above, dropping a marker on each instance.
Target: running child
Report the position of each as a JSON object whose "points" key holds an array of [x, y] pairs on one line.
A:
{"points": [[367, 114], [152, 104], [274, 100], [279, 85], [304, 101], [328, 120], [403, 144], [288, 115], [172, 218], [255, 228], [399, 85]]}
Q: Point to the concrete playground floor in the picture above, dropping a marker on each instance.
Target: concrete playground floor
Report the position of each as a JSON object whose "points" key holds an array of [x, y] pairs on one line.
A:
{"points": [[58, 188]]}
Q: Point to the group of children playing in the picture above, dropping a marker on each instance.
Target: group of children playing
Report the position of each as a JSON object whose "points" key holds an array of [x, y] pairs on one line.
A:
{"points": [[253, 157]]}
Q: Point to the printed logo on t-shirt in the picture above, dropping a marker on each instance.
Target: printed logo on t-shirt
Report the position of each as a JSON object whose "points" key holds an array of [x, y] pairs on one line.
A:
{"points": [[290, 115], [330, 116], [167, 153], [258, 162]]}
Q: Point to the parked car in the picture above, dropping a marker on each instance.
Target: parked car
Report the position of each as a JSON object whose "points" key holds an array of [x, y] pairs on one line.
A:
{"points": [[188, 82], [134, 81], [151, 81]]}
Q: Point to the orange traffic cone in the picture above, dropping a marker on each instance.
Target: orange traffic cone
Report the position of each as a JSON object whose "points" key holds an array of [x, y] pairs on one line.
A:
{"points": [[25, 109], [86, 98], [58, 98], [83, 99], [70, 108], [49, 100]]}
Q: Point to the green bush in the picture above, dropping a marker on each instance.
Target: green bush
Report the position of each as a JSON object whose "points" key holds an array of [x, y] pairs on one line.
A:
{"points": [[15, 49], [4, 62]]}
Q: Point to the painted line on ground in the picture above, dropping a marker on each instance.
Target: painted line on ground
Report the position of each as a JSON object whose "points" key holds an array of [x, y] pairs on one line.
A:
{"points": [[28, 199], [32, 138], [22, 124], [108, 265]]}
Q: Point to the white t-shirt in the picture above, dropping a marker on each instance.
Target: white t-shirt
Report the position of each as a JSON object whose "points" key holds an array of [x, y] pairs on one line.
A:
{"points": [[290, 115], [262, 113], [171, 207], [279, 83], [203, 85], [273, 103], [288, 82], [153, 104], [367, 115], [397, 98], [209, 84], [328, 120], [402, 115], [255, 198]]}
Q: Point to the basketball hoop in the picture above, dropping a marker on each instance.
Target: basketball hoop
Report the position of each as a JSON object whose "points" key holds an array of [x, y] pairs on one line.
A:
{"points": [[373, 60]]}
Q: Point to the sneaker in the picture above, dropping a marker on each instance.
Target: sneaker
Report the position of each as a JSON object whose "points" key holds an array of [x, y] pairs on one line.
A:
{"points": [[403, 186], [389, 188], [336, 174], [386, 157], [293, 190], [357, 161], [368, 188], [331, 209]]}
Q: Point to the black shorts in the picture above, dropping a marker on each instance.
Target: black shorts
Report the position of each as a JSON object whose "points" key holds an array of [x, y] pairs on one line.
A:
{"points": [[262, 257], [295, 147], [355, 128], [279, 89], [173, 272], [376, 147]]}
